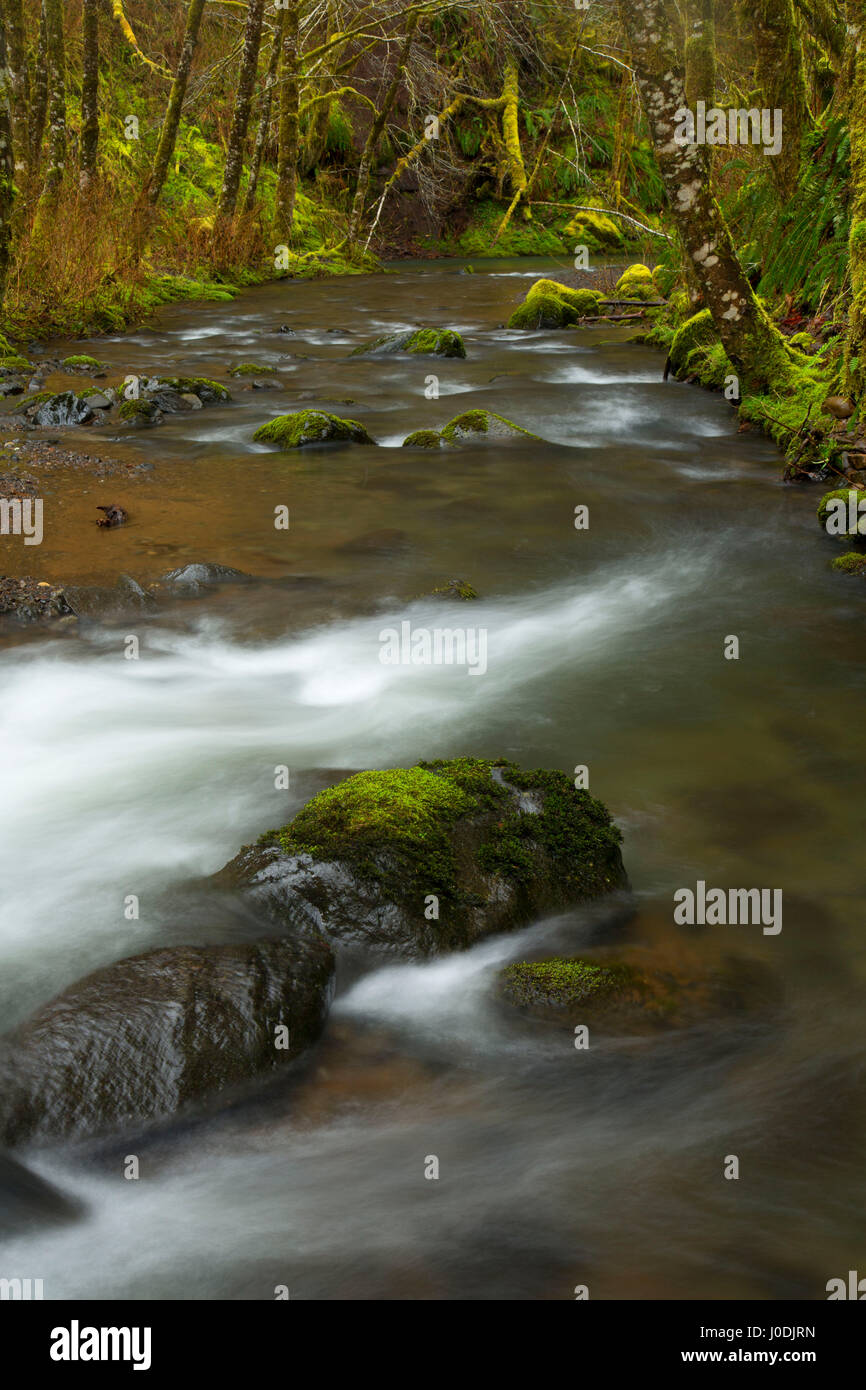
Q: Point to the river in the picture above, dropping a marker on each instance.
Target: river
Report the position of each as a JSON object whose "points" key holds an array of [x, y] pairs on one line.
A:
{"points": [[606, 648]]}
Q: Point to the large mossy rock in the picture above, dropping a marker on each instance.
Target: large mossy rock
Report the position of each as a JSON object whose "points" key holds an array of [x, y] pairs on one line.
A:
{"points": [[595, 230], [696, 352], [494, 846], [149, 1035], [305, 427], [438, 342], [551, 305], [636, 283], [470, 427], [636, 989]]}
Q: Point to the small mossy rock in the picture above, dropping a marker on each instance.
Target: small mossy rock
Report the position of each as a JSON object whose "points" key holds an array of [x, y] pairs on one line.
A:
{"points": [[82, 360], [551, 305], [595, 230], [438, 342], [636, 283], [15, 364], [197, 579], [141, 414], [311, 427], [250, 369], [63, 409], [473, 425], [836, 510], [636, 989], [423, 439], [456, 588], [497, 846], [696, 351], [150, 1035], [209, 392], [852, 562]]}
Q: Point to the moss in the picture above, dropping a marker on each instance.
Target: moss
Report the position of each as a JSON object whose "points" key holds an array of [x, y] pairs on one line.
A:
{"points": [[15, 364], [595, 230], [396, 828], [200, 386], [552, 305], [804, 341], [563, 982], [82, 360], [852, 562], [695, 350], [828, 508], [140, 411], [423, 439], [310, 427], [664, 279], [520, 238], [481, 422], [636, 283], [439, 342], [456, 588], [249, 369]]}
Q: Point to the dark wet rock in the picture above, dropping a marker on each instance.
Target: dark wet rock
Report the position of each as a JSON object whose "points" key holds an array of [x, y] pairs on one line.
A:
{"points": [[114, 515], [286, 330], [496, 846], [208, 392], [637, 989], [12, 386], [153, 1034], [172, 402], [269, 383], [63, 409], [30, 600], [94, 601], [26, 1200], [439, 342], [98, 400], [197, 578]]}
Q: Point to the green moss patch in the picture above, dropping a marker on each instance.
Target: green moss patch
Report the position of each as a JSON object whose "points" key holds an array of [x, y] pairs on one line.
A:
{"points": [[250, 369], [305, 427], [636, 283], [209, 392], [551, 305], [423, 439], [82, 360]]}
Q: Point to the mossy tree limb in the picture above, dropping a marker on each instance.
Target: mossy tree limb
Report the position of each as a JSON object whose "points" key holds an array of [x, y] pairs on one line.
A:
{"points": [[39, 102], [171, 121], [781, 77], [855, 356], [7, 161], [90, 92], [19, 80], [752, 343], [264, 124], [377, 126], [57, 138], [287, 159]]}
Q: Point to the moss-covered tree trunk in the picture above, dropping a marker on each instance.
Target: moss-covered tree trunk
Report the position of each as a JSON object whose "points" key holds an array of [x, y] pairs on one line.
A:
{"points": [[701, 54], [39, 104], [241, 117], [781, 78], [374, 134], [750, 340], [7, 161], [287, 159], [57, 108], [19, 81], [168, 134], [90, 92], [514, 166], [264, 115], [855, 360]]}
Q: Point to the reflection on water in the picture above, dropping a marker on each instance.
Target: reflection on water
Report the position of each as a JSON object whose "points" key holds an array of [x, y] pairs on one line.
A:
{"points": [[605, 648]]}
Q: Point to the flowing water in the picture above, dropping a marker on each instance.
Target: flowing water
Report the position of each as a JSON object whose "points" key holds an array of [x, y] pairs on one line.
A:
{"points": [[605, 648]]}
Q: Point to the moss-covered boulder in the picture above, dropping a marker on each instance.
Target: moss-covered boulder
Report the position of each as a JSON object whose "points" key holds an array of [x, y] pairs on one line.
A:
{"points": [[636, 989], [141, 414], [696, 352], [438, 342], [10, 365], [840, 513], [150, 1035], [209, 392], [594, 229], [470, 427], [636, 283], [852, 562], [431, 858], [81, 360], [551, 305], [305, 427]]}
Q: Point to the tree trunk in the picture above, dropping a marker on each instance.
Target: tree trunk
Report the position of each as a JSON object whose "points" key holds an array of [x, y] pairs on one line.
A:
{"points": [[57, 108], [168, 134], [781, 78], [7, 162], [701, 54], [374, 134], [287, 161], [19, 81], [855, 362], [241, 118], [511, 136], [90, 93], [39, 108], [264, 115], [753, 345]]}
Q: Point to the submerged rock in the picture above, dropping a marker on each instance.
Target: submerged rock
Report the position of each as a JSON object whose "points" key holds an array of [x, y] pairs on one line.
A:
{"points": [[485, 844], [97, 601], [147, 1036], [26, 1200], [472, 425], [552, 305], [305, 427], [636, 989], [195, 579], [439, 342]]}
